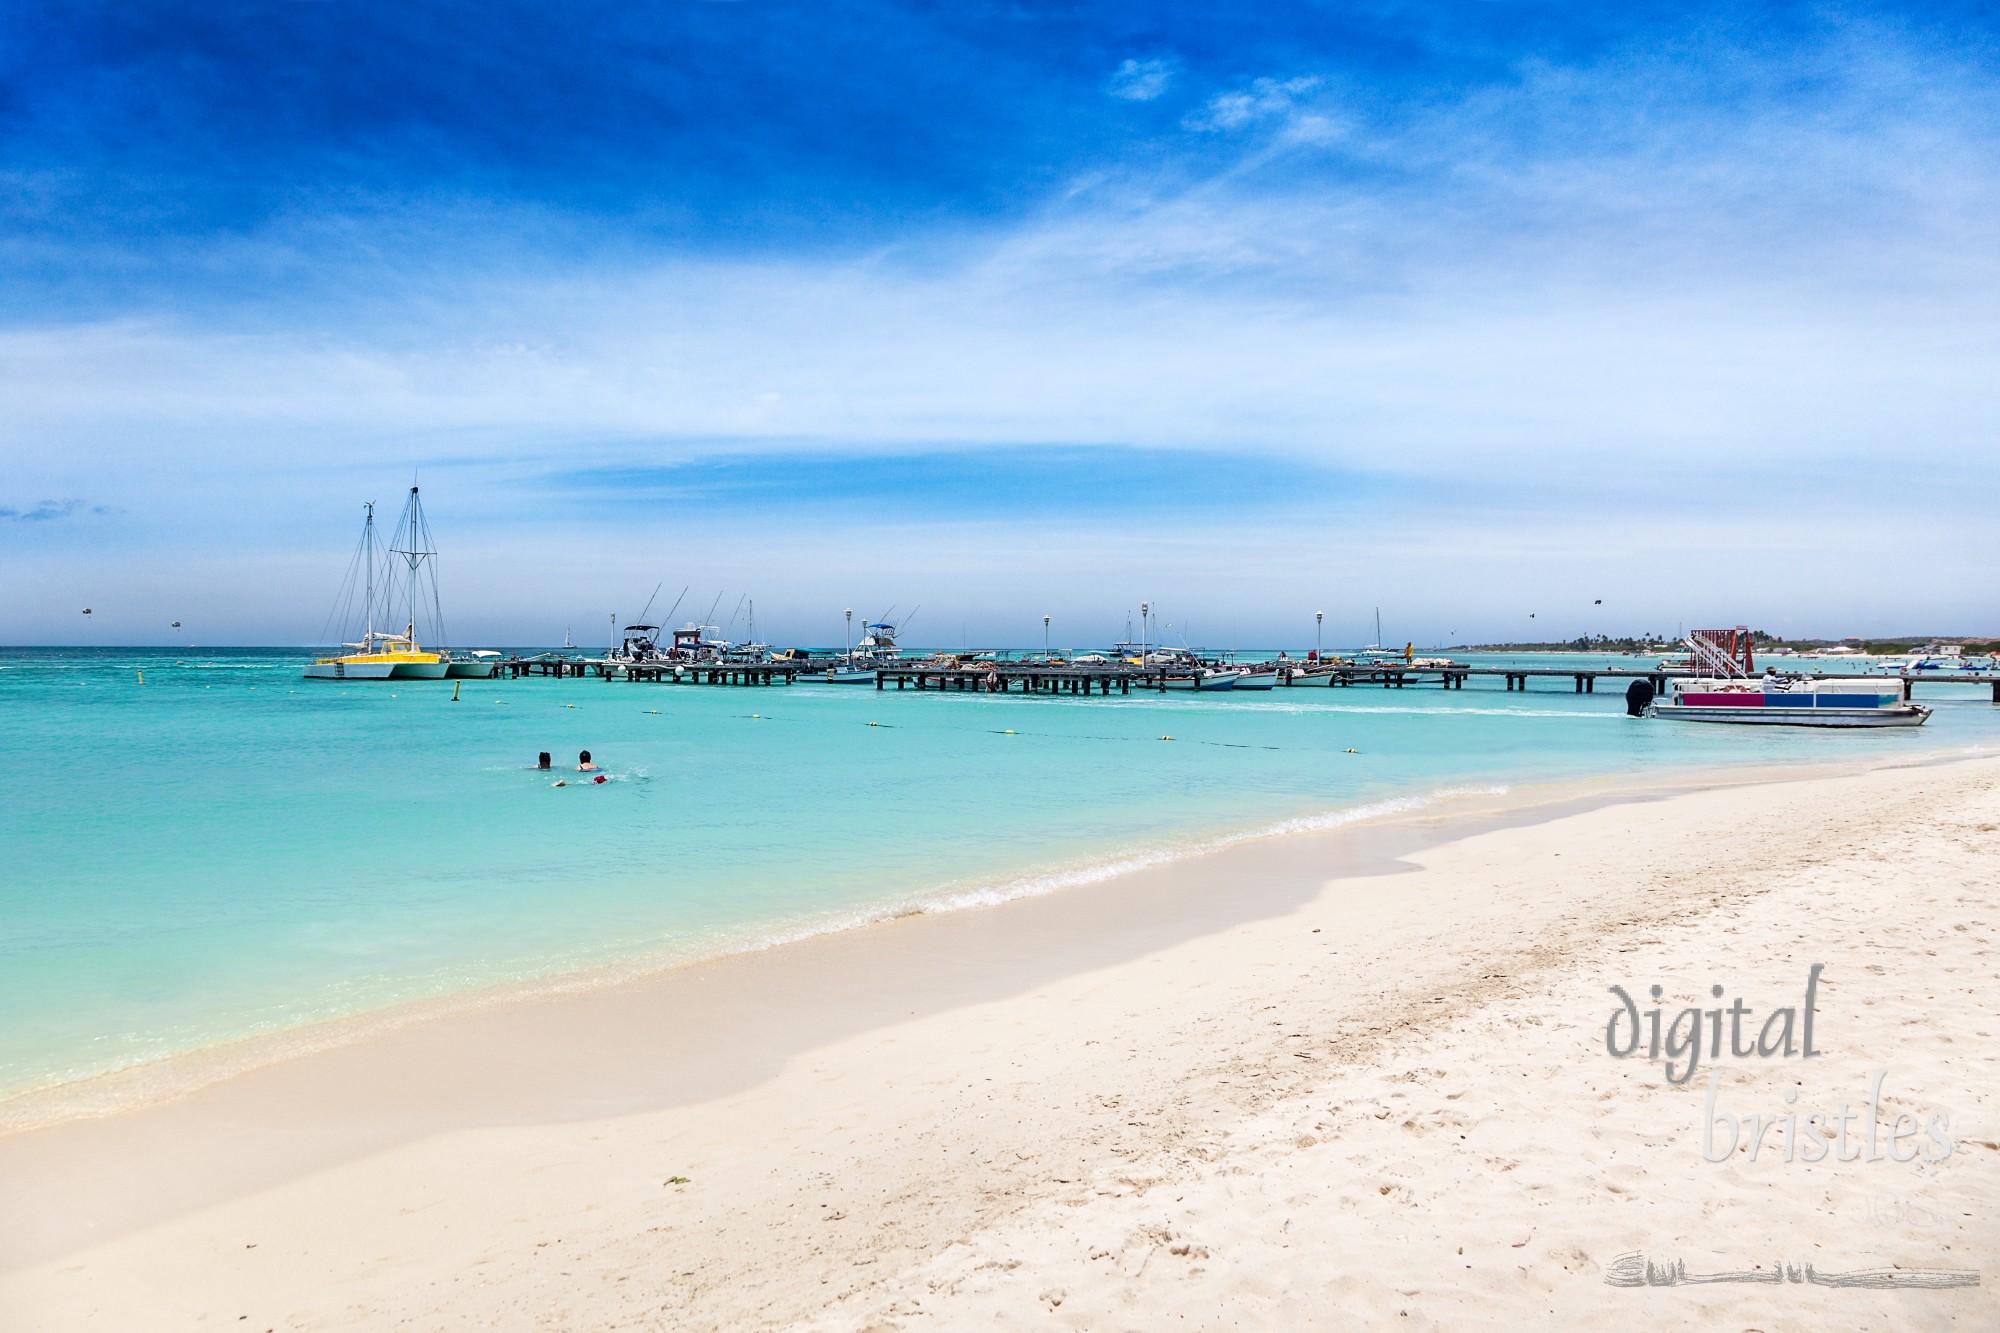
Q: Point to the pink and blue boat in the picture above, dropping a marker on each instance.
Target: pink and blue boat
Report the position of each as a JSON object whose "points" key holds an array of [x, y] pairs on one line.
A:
{"points": [[1786, 701], [1725, 689]]}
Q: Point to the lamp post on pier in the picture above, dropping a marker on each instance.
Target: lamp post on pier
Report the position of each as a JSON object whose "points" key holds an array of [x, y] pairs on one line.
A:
{"points": [[1045, 638], [850, 636], [1319, 619]]}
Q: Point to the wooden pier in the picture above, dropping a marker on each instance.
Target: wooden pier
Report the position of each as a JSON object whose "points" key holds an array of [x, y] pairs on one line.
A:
{"points": [[1105, 679], [702, 673], [1583, 680], [1024, 678], [659, 673], [557, 667]]}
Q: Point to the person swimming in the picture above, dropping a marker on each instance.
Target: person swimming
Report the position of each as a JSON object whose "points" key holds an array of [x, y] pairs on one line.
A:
{"points": [[542, 760], [583, 764]]}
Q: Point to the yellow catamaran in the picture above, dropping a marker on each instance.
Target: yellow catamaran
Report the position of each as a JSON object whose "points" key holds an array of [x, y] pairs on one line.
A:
{"points": [[380, 654]]}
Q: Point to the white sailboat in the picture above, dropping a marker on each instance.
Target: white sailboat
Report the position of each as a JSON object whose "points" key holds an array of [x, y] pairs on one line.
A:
{"points": [[1375, 652]]}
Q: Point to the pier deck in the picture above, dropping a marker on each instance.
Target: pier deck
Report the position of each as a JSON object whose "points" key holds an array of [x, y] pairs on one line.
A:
{"points": [[1107, 679], [659, 673]]}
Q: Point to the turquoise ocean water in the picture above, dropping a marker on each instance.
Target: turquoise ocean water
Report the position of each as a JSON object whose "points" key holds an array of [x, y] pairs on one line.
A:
{"points": [[227, 849]]}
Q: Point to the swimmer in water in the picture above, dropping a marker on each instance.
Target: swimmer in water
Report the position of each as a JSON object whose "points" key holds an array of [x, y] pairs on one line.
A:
{"points": [[583, 764], [542, 760], [600, 778], [562, 782]]}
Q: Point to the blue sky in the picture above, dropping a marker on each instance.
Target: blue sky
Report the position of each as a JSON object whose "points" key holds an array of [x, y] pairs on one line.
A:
{"points": [[1469, 311]]}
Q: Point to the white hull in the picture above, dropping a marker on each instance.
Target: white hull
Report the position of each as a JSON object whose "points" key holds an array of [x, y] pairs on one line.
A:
{"points": [[1904, 715], [1222, 681], [349, 670], [1311, 678], [845, 676], [469, 670], [1257, 680]]}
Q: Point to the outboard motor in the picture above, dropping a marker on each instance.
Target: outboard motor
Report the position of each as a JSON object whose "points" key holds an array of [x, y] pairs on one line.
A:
{"points": [[1638, 697]]}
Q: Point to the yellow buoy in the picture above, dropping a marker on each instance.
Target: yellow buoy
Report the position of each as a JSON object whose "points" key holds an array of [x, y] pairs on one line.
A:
{"points": [[142, 678]]}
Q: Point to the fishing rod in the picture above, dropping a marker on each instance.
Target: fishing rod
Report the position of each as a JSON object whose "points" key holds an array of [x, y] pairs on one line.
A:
{"points": [[677, 603], [650, 600]]}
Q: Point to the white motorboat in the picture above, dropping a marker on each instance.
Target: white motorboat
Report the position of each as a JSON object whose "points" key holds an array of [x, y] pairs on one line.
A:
{"points": [[477, 665], [1202, 678], [1256, 680]]}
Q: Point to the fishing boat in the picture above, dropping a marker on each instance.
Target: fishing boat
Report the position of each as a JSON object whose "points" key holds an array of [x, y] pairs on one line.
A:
{"points": [[1184, 669], [381, 654], [1203, 678], [639, 645], [1256, 680], [1728, 690], [699, 644], [1317, 669], [877, 649]]}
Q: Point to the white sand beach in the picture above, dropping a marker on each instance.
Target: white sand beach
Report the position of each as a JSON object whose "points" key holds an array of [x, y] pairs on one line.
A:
{"points": [[1350, 1079]]}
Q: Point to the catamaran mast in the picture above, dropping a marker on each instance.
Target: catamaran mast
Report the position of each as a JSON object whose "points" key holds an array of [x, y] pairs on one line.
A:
{"points": [[410, 631], [368, 560]]}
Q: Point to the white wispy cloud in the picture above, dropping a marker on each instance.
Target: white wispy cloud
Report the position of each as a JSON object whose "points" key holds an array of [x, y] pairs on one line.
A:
{"points": [[1138, 80], [1264, 99]]}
